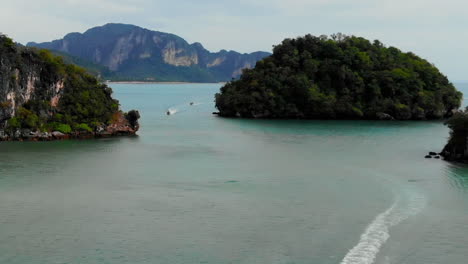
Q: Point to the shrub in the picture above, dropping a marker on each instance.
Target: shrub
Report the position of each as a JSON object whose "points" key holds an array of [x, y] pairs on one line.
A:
{"points": [[83, 127], [64, 128]]}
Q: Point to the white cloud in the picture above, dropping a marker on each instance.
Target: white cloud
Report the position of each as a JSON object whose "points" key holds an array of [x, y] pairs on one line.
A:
{"points": [[432, 29]]}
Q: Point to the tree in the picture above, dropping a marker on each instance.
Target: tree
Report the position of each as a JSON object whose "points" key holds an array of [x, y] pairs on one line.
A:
{"points": [[344, 77]]}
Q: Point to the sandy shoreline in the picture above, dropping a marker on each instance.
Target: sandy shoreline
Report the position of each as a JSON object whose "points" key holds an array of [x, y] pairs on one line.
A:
{"points": [[142, 82]]}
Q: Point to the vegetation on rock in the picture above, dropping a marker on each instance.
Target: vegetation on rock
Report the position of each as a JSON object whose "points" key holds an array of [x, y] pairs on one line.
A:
{"points": [[339, 77], [46, 94], [457, 146]]}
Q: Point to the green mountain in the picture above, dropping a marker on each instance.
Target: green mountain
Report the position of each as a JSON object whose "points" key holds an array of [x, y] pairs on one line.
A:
{"points": [[41, 94], [134, 53], [340, 77]]}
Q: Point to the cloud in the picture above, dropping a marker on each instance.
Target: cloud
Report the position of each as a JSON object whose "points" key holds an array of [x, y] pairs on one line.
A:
{"points": [[432, 29]]}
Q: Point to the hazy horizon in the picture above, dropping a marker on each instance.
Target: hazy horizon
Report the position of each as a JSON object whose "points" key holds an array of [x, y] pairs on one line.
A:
{"points": [[427, 28]]}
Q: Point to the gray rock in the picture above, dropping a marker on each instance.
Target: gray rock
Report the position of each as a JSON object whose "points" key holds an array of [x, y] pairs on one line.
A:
{"points": [[58, 134], [3, 135], [384, 116], [17, 134]]}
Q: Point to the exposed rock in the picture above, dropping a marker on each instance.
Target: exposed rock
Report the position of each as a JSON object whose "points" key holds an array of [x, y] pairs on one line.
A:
{"points": [[58, 134], [120, 126], [384, 116], [428, 157], [178, 56]]}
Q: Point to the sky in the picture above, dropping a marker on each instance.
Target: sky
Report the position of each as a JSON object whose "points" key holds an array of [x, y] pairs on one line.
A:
{"points": [[436, 30]]}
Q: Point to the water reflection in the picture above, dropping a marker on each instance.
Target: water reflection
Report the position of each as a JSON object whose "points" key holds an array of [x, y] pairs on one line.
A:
{"points": [[458, 176]]}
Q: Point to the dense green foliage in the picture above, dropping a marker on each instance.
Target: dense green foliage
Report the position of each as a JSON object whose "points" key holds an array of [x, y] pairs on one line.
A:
{"points": [[84, 103], [456, 147], [339, 77], [97, 70]]}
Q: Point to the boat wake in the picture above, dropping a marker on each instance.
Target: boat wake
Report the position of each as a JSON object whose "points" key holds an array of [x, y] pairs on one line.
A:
{"points": [[171, 111], [377, 233], [181, 108]]}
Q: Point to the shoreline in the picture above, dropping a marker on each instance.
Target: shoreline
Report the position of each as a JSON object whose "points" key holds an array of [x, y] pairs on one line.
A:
{"points": [[58, 136], [143, 82]]}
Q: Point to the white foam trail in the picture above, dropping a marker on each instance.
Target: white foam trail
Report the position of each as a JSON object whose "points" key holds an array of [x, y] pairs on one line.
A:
{"points": [[377, 233], [172, 111]]}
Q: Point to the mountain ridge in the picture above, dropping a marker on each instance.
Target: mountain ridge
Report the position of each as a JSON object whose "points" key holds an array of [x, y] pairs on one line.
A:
{"points": [[135, 53]]}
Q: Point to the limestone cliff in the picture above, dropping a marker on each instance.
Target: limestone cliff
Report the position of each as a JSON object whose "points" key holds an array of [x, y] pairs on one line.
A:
{"points": [[39, 94], [135, 53]]}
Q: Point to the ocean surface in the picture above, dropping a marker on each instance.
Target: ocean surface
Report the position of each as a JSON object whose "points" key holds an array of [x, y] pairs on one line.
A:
{"points": [[194, 188]]}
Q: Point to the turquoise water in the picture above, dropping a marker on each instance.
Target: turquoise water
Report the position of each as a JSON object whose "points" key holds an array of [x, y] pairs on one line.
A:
{"points": [[194, 188]]}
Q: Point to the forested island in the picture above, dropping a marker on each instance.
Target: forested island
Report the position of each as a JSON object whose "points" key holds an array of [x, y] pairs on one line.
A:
{"points": [[339, 77], [457, 146], [43, 98]]}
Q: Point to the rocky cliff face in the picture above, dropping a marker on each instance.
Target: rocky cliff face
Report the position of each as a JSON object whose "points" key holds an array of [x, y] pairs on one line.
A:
{"points": [[21, 81], [136, 53], [39, 94]]}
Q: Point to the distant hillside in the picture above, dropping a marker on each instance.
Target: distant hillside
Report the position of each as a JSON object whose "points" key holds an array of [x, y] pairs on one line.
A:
{"points": [[93, 68], [134, 53]]}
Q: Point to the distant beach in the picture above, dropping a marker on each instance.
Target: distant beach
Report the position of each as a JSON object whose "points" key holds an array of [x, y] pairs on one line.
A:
{"points": [[152, 82]]}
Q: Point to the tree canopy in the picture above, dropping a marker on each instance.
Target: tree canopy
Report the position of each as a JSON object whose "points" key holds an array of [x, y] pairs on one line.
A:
{"points": [[456, 148], [339, 77]]}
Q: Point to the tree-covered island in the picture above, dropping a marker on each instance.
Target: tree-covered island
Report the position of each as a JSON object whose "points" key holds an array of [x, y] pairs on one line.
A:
{"points": [[43, 98], [339, 77]]}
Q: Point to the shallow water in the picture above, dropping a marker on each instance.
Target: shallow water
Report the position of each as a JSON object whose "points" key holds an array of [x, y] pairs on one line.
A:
{"points": [[194, 188]]}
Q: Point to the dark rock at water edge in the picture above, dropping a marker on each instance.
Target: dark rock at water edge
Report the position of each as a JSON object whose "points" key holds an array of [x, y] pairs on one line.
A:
{"points": [[384, 116]]}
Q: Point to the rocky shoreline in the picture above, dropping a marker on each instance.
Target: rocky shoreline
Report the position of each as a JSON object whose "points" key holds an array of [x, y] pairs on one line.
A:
{"points": [[27, 135], [122, 126]]}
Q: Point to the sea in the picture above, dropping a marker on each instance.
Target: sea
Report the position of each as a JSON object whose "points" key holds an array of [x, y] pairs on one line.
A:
{"points": [[196, 188]]}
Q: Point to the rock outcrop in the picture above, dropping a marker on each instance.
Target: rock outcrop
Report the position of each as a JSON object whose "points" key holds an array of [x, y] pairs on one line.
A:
{"points": [[42, 98], [134, 53], [456, 148]]}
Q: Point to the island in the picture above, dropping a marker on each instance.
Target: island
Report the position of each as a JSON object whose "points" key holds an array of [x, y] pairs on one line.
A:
{"points": [[43, 98], [457, 146], [339, 77]]}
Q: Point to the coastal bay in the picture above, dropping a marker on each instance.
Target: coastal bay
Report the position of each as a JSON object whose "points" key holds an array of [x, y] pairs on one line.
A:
{"points": [[195, 188]]}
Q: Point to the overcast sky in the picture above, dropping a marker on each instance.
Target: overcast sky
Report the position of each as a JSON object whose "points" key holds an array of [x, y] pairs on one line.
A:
{"points": [[435, 30]]}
